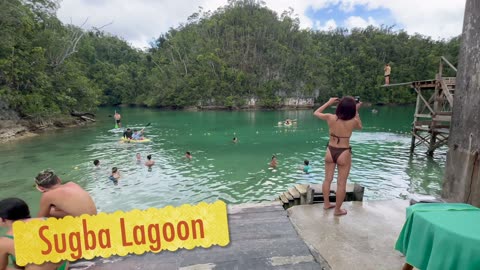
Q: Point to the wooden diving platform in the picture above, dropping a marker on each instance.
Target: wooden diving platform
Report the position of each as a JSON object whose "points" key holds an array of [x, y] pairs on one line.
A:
{"points": [[433, 110], [411, 84]]}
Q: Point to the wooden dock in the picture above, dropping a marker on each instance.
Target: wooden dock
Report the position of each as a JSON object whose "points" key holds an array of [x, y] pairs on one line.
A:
{"points": [[433, 110], [261, 237]]}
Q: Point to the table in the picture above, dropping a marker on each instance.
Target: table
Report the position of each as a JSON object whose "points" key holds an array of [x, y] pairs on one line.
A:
{"points": [[441, 236]]}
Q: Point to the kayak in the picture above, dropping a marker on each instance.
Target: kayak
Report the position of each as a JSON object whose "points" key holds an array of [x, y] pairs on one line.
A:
{"points": [[135, 141]]}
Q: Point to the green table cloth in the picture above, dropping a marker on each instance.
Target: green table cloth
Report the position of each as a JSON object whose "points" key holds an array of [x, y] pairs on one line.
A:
{"points": [[441, 236]]}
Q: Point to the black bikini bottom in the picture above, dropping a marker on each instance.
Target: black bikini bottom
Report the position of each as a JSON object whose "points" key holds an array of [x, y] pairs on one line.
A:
{"points": [[337, 151]]}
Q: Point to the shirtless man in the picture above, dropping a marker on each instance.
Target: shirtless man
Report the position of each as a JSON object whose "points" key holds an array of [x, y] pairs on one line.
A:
{"points": [[118, 117], [149, 163], [387, 70], [62, 200]]}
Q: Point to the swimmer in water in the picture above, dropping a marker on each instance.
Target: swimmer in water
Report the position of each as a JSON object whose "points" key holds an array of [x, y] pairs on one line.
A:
{"points": [[149, 163], [273, 163], [306, 166], [139, 158], [96, 162], [115, 175], [188, 155], [235, 140]]}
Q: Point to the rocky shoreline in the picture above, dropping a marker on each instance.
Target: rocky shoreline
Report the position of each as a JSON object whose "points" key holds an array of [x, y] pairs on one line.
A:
{"points": [[14, 130]]}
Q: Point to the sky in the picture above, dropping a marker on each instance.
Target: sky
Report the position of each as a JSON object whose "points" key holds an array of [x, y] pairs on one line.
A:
{"points": [[139, 22]]}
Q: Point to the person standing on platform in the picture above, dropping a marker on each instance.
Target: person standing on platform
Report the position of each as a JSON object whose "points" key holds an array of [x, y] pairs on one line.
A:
{"points": [[118, 119], [387, 70], [339, 152]]}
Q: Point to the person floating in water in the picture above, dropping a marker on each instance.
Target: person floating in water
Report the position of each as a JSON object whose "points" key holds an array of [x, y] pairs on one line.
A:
{"points": [[127, 134], [115, 176], [188, 155], [118, 118], [149, 163], [339, 153], [387, 70], [273, 163], [235, 140], [139, 158], [12, 210], [62, 200], [288, 122], [306, 166], [96, 162], [137, 135]]}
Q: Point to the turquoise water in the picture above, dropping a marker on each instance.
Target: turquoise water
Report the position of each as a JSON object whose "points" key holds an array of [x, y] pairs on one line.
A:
{"points": [[220, 169]]}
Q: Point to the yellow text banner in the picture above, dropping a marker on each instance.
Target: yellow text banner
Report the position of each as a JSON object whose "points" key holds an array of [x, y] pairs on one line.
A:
{"points": [[121, 233]]}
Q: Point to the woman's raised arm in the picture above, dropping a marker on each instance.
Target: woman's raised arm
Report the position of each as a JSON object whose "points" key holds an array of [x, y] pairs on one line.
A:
{"points": [[358, 121], [319, 112]]}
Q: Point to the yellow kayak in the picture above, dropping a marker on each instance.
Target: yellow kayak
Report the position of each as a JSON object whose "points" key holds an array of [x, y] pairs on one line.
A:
{"points": [[135, 141]]}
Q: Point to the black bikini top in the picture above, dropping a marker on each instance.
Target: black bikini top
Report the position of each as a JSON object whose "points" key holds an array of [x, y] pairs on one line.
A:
{"points": [[338, 137]]}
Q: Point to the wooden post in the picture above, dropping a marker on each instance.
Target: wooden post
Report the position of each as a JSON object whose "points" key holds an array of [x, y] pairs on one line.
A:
{"points": [[310, 193], [433, 140], [436, 108], [414, 130], [440, 67]]}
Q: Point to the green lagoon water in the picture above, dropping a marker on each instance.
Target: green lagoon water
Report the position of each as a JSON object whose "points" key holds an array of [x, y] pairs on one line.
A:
{"points": [[235, 173]]}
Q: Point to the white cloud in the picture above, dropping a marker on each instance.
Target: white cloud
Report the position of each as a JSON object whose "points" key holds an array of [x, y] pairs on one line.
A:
{"points": [[141, 21], [359, 22], [329, 25], [435, 18], [136, 21]]}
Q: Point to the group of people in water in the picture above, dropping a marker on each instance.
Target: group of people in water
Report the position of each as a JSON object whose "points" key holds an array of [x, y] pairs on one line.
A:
{"points": [[69, 199], [115, 174]]}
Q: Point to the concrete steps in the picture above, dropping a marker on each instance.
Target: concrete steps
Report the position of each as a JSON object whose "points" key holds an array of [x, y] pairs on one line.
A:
{"points": [[301, 194]]}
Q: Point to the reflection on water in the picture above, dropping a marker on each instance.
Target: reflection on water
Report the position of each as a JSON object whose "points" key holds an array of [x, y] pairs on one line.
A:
{"points": [[219, 169]]}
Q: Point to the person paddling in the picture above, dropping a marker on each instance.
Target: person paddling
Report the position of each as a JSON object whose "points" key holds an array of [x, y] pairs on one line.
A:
{"points": [[128, 134]]}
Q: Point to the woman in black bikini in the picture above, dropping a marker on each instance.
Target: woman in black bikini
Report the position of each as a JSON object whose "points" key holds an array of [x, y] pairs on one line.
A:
{"points": [[339, 153]]}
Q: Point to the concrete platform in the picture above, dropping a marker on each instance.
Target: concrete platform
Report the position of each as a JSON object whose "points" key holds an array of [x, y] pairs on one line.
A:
{"points": [[261, 237], [363, 239]]}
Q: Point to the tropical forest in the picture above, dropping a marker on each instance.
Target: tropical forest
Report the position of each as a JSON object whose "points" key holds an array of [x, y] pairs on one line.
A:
{"points": [[239, 52]]}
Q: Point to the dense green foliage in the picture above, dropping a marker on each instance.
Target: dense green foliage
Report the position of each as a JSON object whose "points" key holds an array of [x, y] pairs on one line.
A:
{"points": [[239, 52]]}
